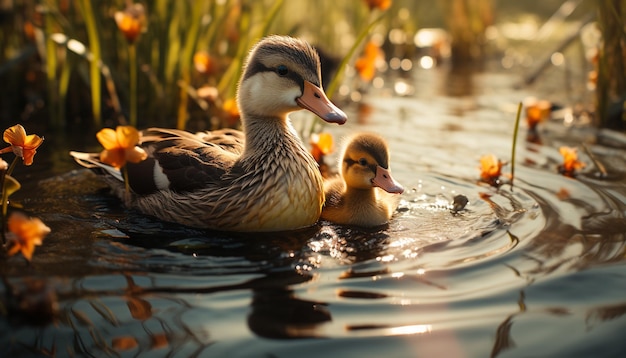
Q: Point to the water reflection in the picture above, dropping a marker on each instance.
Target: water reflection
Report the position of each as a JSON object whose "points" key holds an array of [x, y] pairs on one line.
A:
{"points": [[277, 313], [505, 274]]}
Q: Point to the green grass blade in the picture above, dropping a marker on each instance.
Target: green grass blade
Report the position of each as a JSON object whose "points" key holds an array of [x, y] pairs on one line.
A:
{"points": [[94, 62], [191, 39], [334, 83], [51, 70]]}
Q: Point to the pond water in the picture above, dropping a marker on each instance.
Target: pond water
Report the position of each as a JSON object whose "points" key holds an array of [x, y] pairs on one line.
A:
{"points": [[534, 269]]}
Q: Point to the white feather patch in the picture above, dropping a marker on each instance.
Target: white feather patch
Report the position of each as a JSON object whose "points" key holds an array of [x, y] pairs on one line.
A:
{"points": [[160, 179]]}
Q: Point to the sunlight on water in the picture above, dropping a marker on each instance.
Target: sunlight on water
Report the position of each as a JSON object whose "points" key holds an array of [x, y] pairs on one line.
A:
{"points": [[506, 271], [416, 329]]}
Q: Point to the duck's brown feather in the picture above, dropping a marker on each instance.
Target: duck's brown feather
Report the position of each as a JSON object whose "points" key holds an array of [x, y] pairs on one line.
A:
{"points": [[186, 161]]}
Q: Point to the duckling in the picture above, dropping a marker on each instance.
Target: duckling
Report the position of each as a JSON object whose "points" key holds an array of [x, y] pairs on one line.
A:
{"points": [[259, 179], [363, 194]]}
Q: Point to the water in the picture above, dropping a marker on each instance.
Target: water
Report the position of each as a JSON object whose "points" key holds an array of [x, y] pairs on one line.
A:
{"points": [[537, 269]]}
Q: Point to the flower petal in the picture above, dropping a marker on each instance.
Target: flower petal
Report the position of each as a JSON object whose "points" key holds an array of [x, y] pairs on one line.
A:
{"points": [[114, 157], [15, 135], [108, 138], [33, 141], [136, 155], [14, 249], [127, 136], [27, 250], [28, 156], [24, 234]]}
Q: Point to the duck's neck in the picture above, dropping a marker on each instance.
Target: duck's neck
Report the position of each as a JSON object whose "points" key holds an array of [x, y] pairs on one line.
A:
{"points": [[265, 134], [354, 195]]}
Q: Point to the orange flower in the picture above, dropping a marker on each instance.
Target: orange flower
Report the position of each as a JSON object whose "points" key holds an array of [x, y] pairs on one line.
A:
{"points": [[537, 112], [321, 145], [570, 161], [378, 4], [131, 21], [490, 168], [230, 112], [120, 146], [203, 62], [24, 234], [22, 145], [366, 64]]}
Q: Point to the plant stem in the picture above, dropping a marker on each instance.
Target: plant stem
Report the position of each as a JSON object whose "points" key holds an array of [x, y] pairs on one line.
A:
{"points": [[132, 62], [126, 185], [94, 61], [515, 131], [3, 219], [5, 196], [51, 69], [12, 166], [342, 65], [186, 58], [334, 83]]}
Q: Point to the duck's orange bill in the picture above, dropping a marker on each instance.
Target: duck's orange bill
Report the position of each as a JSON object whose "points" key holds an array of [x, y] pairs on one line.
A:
{"points": [[385, 181], [314, 99]]}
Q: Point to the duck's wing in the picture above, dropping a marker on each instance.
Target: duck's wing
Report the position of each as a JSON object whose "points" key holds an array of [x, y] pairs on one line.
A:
{"points": [[177, 160], [182, 161], [92, 161], [230, 140]]}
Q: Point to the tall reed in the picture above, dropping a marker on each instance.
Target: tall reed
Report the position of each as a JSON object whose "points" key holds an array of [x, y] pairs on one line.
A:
{"points": [[88, 13], [611, 85]]}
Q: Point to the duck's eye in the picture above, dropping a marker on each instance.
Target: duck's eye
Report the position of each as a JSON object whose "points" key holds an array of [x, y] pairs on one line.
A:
{"points": [[282, 70], [363, 161]]}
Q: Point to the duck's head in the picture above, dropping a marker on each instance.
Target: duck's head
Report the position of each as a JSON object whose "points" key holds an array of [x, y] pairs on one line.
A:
{"points": [[282, 75], [365, 164]]}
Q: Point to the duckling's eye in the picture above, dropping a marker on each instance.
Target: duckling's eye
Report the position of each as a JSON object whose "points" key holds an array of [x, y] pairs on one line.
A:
{"points": [[363, 161], [282, 70]]}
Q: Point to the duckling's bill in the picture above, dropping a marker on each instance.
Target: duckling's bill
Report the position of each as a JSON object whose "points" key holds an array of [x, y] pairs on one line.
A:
{"points": [[385, 181], [314, 99]]}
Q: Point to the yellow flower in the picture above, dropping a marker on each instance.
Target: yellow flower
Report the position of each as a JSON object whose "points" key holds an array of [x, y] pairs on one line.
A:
{"points": [[22, 145], [120, 146], [24, 234], [490, 168], [131, 21]]}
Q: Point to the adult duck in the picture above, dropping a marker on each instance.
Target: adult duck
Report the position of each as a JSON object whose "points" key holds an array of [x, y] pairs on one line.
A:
{"points": [[260, 179], [363, 194]]}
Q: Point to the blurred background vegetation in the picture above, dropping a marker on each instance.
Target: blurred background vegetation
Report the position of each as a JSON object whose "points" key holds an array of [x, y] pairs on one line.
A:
{"points": [[175, 63]]}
